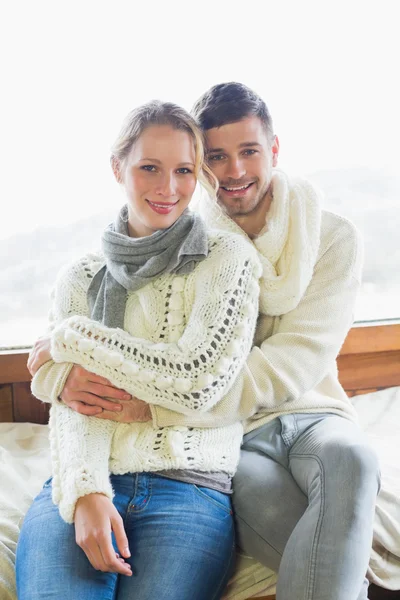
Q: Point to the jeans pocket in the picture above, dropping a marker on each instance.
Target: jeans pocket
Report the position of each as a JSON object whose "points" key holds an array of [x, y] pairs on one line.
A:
{"points": [[216, 498]]}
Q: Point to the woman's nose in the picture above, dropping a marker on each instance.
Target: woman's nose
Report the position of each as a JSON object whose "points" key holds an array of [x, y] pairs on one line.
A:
{"points": [[167, 186]]}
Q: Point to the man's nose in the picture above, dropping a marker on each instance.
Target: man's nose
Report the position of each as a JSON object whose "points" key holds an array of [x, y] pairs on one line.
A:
{"points": [[235, 169]]}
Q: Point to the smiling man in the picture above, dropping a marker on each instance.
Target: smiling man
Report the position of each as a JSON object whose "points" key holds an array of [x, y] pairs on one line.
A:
{"points": [[305, 490], [244, 169]]}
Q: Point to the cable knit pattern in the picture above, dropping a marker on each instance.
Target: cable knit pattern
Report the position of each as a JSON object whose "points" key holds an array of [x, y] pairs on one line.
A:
{"points": [[193, 373], [192, 336]]}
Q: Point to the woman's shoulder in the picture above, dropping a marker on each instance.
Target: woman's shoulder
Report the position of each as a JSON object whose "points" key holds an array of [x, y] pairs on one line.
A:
{"points": [[81, 270], [231, 245]]}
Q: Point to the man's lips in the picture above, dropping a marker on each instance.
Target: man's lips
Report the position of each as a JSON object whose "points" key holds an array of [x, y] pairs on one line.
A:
{"points": [[162, 208], [237, 190]]}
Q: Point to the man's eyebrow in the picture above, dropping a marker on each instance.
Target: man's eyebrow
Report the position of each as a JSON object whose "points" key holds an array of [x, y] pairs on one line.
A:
{"points": [[214, 150], [247, 144], [242, 145]]}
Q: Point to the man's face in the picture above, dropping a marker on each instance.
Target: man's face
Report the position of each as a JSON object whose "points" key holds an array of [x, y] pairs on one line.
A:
{"points": [[241, 157]]}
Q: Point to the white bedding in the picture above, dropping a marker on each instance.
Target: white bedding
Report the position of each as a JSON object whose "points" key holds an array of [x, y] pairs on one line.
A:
{"points": [[25, 465]]}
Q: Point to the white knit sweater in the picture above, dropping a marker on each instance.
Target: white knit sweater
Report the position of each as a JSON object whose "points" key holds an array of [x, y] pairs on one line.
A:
{"points": [[185, 339], [292, 366]]}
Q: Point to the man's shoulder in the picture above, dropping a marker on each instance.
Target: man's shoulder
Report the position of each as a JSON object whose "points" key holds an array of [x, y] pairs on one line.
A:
{"points": [[340, 243], [337, 229]]}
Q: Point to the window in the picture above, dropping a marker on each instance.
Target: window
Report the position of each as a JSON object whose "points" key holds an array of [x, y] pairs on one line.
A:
{"points": [[326, 71]]}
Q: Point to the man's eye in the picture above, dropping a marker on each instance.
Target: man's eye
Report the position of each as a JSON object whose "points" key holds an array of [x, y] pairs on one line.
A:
{"points": [[183, 171], [215, 157], [249, 152], [149, 168]]}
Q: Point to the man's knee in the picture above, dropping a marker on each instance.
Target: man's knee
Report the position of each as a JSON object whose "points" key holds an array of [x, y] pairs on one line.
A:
{"points": [[358, 463]]}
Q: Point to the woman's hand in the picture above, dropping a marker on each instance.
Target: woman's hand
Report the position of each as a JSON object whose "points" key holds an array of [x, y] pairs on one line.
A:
{"points": [[39, 355], [95, 518]]}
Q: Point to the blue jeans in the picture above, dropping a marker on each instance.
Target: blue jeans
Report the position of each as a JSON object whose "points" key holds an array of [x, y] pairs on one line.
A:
{"points": [[304, 499], [181, 539]]}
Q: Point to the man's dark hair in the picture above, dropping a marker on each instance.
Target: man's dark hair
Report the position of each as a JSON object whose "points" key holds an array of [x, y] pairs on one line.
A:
{"points": [[226, 103]]}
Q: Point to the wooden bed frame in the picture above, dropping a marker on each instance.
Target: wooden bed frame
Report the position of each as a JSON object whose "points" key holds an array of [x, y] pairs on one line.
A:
{"points": [[369, 361]]}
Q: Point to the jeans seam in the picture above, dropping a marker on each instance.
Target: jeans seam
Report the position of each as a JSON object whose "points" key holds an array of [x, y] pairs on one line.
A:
{"points": [[257, 534], [313, 558], [212, 500], [229, 565], [288, 438], [146, 501]]}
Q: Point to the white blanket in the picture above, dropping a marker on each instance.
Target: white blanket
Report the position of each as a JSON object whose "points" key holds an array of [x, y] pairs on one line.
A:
{"points": [[25, 465]]}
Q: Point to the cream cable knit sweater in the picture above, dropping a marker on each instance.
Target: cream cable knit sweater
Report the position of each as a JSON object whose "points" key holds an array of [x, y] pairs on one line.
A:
{"points": [[185, 341]]}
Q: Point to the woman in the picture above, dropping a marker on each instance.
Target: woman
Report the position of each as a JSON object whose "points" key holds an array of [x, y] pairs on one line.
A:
{"points": [[167, 313]]}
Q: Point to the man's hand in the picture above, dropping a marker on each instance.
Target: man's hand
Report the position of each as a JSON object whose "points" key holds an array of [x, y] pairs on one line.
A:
{"points": [[87, 393], [133, 411], [39, 355], [95, 518]]}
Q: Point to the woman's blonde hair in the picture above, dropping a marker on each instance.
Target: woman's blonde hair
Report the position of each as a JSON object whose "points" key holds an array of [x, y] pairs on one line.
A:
{"points": [[164, 113]]}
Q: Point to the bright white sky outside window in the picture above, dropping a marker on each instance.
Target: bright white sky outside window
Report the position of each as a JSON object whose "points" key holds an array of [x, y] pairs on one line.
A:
{"points": [[72, 69]]}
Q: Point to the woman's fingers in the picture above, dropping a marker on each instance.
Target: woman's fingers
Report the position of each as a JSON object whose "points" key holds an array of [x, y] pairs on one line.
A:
{"points": [[120, 535], [110, 561]]}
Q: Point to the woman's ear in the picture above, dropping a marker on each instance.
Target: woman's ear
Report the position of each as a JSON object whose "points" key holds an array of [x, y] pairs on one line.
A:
{"points": [[275, 151], [117, 170]]}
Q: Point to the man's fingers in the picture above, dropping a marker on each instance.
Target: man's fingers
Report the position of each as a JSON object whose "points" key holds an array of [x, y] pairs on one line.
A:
{"points": [[108, 391], [94, 400], [82, 408], [30, 361], [96, 378]]}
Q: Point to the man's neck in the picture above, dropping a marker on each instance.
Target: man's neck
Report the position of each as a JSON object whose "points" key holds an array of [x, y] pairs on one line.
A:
{"points": [[253, 222]]}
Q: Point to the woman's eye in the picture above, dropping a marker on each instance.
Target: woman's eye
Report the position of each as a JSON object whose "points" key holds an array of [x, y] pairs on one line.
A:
{"points": [[183, 171], [149, 168]]}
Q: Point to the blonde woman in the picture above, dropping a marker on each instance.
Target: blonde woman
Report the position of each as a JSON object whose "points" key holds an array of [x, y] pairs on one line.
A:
{"points": [[166, 312]]}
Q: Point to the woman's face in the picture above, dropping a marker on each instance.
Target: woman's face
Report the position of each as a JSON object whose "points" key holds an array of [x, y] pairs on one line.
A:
{"points": [[159, 179]]}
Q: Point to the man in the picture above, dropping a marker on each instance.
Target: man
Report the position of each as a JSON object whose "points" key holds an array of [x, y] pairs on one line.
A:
{"points": [[305, 490]]}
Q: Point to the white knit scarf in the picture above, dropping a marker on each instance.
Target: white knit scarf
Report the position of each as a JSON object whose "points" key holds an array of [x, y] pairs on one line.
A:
{"points": [[289, 244]]}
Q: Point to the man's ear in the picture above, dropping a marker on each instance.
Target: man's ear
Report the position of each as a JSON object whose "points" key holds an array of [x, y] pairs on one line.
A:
{"points": [[117, 170], [275, 151]]}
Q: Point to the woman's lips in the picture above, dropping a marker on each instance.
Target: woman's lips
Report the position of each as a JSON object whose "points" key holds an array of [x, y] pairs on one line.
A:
{"points": [[162, 208]]}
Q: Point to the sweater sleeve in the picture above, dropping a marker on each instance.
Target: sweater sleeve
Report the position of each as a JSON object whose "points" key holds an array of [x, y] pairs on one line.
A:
{"points": [[194, 373], [80, 450], [303, 347], [68, 298]]}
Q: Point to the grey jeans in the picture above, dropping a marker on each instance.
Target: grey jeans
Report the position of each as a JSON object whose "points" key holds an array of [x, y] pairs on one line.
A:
{"points": [[304, 499]]}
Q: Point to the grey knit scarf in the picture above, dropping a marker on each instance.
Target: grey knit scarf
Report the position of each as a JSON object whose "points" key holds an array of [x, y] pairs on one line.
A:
{"points": [[131, 263]]}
